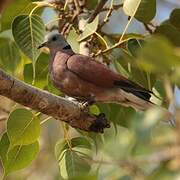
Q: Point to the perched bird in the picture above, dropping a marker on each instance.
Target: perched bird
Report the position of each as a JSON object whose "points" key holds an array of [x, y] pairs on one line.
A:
{"points": [[83, 78]]}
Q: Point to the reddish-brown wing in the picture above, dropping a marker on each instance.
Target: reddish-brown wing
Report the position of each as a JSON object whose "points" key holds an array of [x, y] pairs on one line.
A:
{"points": [[92, 71]]}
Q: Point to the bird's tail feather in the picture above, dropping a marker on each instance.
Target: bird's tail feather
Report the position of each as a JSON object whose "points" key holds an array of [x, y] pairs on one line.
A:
{"points": [[135, 101], [141, 104], [134, 88]]}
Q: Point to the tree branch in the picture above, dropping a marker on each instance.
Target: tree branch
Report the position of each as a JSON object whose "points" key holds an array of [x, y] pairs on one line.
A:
{"points": [[98, 8], [49, 104]]}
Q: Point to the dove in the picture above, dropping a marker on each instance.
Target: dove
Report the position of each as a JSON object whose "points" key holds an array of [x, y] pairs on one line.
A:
{"points": [[87, 80]]}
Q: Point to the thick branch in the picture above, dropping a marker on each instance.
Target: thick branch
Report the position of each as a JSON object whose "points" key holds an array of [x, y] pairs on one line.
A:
{"points": [[49, 104]]}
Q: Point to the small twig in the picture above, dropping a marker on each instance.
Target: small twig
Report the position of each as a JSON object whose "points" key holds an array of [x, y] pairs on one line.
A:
{"points": [[109, 13], [68, 25], [78, 9], [110, 48], [115, 7], [148, 28], [97, 10]]}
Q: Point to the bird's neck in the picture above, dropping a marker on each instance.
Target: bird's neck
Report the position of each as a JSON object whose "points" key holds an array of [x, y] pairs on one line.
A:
{"points": [[61, 53], [68, 51]]}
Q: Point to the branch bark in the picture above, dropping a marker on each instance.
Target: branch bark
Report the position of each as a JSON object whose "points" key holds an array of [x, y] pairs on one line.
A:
{"points": [[49, 104]]}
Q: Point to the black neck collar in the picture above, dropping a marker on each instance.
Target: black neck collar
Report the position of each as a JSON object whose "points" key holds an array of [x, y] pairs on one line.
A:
{"points": [[67, 47]]}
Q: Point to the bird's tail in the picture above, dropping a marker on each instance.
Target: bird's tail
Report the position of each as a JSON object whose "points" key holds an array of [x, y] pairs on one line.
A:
{"points": [[137, 102], [141, 104]]}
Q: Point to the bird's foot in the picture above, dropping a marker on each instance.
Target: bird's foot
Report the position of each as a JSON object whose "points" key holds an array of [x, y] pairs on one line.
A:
{"points": [[100, 123], [84, 105]]}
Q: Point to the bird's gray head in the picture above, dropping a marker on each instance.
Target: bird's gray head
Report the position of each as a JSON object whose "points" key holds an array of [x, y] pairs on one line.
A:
{"points": [[55, 41]]}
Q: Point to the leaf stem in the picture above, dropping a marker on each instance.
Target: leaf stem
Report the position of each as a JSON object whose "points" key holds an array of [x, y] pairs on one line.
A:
{"points": [[45, 120], [127, 25]]}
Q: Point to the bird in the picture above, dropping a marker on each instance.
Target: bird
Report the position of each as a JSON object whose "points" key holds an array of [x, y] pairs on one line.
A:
{"points": [[85, 79]]}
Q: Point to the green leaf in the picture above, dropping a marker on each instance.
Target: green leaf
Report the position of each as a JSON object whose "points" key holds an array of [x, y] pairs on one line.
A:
{"points": [[138, 75], [22, 127], [59, 148], [10, 56], [144, 13], [17, 7], [17, 158], [158, 56], [73, 164], [72, 40], [174, 18], [89, 29], [28, 32], [169, 31], [79, 142], [94, 109], [73, 160], [41, 72], [134, 45]]}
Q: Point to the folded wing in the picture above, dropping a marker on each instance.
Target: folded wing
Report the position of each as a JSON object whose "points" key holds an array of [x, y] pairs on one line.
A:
{"points": [[94, 72]]}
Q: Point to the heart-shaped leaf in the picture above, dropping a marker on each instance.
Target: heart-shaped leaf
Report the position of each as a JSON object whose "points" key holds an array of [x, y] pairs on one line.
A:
{"points": [[89, 29], [28, 32], [41, 72], [17, 158], [144, 10], [22, 127]]}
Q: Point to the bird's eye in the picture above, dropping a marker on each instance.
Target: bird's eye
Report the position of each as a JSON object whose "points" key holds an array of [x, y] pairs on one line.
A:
{"points": [[54, 38]]}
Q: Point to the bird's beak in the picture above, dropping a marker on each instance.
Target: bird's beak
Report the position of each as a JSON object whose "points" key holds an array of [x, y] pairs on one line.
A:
{"points": [[42, 45]]}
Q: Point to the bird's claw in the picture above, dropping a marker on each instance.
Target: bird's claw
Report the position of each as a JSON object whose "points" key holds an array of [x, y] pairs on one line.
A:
{"points": [[84, 105], [100, 123]]}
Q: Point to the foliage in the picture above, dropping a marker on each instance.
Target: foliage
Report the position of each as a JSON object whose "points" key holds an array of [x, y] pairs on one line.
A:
{"points": [[136, 145]]}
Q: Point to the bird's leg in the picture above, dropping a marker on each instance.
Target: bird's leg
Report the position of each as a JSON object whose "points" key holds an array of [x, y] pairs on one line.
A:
{"points": [[100, 122], [87, 102], [83, 103]]}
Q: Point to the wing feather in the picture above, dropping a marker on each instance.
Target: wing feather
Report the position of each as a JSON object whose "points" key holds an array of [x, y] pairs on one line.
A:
{"points": [[97, 73]]}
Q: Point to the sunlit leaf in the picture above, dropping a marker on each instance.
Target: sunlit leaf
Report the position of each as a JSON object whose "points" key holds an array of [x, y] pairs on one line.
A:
{"points": [[41, 72], [22, 127], [17, 158], [89, 29], [72, 40], [73, 156], [28, 32], [73, 164], [145, 9]]}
